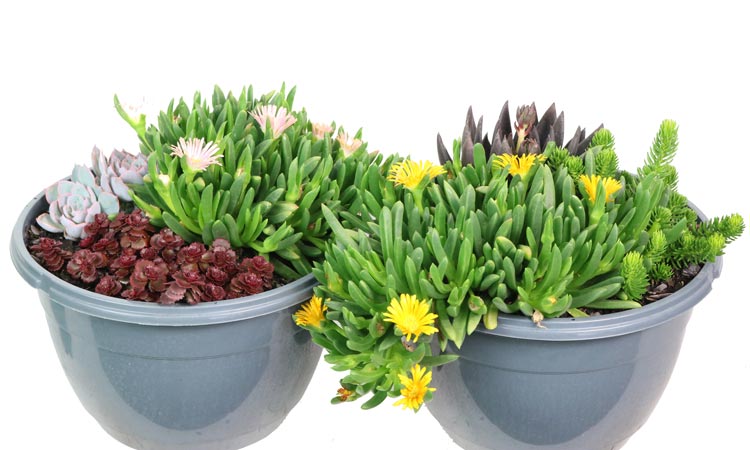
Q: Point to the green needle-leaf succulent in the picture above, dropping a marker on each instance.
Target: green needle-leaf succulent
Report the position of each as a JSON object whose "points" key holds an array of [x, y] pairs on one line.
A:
{"points": [[251, 171]]}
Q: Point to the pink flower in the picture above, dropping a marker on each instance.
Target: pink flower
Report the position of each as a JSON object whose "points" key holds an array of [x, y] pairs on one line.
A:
{"points": [[198, 156], [319, 130], [348, 146], [276, 117]]}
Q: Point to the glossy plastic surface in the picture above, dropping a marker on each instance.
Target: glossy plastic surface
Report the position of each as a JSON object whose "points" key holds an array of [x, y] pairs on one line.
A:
{"points": [[216, 376]]}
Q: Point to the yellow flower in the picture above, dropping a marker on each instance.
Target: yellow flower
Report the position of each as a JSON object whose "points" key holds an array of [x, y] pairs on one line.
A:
{"points": [[415, 388], [411, 316], [410, 173], [590, 183], [311, 313], [517, 165]]}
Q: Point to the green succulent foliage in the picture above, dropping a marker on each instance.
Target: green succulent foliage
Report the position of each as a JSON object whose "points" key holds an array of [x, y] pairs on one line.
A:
{"points": [[634, 275], [476, 242], [267, 193]]}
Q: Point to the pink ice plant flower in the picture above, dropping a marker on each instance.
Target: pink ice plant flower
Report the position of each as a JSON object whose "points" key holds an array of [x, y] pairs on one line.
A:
{"points": [[320, 129], [278, 118], [348, 145], [198, 155]]}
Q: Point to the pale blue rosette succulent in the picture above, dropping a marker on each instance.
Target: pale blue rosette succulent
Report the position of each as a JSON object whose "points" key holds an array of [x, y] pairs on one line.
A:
{"points": [[74, 203]]}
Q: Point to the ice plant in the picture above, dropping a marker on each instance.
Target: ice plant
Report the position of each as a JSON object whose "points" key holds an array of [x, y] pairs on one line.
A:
{"points": [[312, 313], [411, 316], [591, 183], [274, 117], [517, 165], [410, 173], [415, 388], [348, 145], [571, 236], [319, 130], [250, 171], [197, 154]]}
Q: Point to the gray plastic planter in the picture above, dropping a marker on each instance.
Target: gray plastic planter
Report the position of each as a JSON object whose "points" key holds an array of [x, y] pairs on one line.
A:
{"points": [[216, 376], [578, 384]]}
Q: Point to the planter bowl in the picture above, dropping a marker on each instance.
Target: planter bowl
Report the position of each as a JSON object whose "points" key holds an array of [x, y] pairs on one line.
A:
{"points": [[215, 376], [577, 384]]}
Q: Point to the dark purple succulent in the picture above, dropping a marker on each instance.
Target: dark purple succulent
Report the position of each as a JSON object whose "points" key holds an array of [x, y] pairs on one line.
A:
{"points": [[136, 233], [149, 253], [188, 285], [260, 266], [191, 254], [166, 239], [149, 274], [123, 265], [528, 135], [245, 283], [213, 292], [109, 286], [216, 275], [84, 263], [50, 253]]}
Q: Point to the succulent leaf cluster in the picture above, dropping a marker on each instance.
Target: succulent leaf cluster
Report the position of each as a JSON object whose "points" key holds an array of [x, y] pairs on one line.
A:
{"points": [[508, 232], [527, 135], [251, 171], [75, 202]]}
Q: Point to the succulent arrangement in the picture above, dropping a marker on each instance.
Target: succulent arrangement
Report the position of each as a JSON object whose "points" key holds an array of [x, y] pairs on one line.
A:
{"points": [[225, 194], [516, 225]]}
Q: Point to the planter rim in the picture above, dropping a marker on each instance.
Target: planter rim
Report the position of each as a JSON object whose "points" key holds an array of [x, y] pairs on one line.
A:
{"points": [[613, 324], [145, 313]]}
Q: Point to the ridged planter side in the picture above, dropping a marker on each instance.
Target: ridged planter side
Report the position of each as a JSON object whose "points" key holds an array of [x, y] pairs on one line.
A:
{"points": [[214, 376]]}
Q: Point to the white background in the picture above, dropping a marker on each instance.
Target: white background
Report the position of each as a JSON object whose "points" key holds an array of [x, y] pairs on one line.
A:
{"points": [[404, 73]]}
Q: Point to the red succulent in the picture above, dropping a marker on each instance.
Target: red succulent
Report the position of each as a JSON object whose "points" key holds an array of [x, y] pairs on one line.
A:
{"points": [[149, 274], [123, 266], [213, 292], [50, 253], [136, 231], [84, 263], [191, 254], [245, 283], [108, 285], [260, 266]]}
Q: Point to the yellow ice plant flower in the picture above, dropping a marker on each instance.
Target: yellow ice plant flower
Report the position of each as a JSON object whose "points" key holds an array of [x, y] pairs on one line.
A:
{"points": [[517, 165], [410, 173], [312, 313], [411, 316], [590, 183], [415, 388]]}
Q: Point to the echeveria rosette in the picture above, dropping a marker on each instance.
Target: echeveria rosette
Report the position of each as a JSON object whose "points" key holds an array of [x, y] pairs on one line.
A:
{"points": [[76, 202], [116, 172], [258, 179]]}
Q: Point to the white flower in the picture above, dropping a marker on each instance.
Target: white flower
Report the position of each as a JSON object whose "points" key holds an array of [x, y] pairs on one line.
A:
{"points": [[276, 117], [197, 155]]}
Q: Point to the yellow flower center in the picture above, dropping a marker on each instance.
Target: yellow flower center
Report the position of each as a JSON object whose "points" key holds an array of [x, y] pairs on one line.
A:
{"points": [[517, 165], [411, 316], [311, 313], [591, 184], [410, 173], [415, 388]]}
